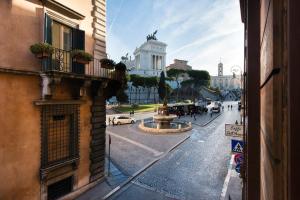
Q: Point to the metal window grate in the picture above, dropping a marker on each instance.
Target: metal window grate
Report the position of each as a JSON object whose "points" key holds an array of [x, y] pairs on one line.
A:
{"points": [[59, 133], [60, 188]]}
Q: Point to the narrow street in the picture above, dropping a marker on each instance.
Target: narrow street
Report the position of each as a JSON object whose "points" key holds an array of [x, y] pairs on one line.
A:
{"points": [[195, 169]]}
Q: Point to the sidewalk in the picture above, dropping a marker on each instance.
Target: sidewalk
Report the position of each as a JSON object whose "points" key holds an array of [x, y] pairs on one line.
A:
{"points": [[115, 178], [232, 189]]}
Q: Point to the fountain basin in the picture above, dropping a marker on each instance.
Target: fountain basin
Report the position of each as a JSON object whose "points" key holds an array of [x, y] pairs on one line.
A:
{"points": [[173, 127], [164, 120]]}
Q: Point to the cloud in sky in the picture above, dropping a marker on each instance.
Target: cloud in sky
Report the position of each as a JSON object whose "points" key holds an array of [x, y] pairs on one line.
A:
{"points": [[200, 31]]}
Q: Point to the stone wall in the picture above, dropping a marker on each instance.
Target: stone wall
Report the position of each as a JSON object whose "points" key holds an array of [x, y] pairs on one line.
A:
{"points": [[273, 93]]}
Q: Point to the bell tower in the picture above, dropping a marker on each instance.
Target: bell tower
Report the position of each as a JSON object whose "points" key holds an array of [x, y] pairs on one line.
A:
{"points": [[220, 69]]}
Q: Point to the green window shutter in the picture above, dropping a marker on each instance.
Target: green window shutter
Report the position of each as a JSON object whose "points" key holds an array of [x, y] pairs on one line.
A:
{"points": [[78, 42], [47, 63], [78, 39], [48, 29]]}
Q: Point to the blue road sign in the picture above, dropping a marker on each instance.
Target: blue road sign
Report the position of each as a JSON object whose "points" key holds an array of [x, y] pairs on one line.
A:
{"points": [[237, 146], [238, 168]]}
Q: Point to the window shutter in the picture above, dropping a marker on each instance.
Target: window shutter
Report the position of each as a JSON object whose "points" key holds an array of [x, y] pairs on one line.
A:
{"points": [[78, 39], [47, 63], [48, 30], [78, 42]]}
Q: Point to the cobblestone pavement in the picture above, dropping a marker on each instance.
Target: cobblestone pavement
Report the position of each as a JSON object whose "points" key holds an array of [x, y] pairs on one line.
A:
{"points": [[196, 169]]}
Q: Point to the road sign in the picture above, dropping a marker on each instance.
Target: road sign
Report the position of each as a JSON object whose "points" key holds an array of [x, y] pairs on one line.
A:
{"points": [[238, 158], [238, 168], [237, 146], [234, 130]]}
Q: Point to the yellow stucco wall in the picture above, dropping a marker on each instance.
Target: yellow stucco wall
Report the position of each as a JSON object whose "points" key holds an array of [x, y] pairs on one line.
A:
{"points": [[20, 131], [19, 137], [24, 24]]}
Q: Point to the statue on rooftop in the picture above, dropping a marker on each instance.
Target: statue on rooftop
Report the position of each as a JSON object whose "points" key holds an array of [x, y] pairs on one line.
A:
{"points": [[152, 36]]}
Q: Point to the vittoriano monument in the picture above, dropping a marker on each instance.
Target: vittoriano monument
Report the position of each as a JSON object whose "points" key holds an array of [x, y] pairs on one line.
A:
{"points": [[152, 36]]}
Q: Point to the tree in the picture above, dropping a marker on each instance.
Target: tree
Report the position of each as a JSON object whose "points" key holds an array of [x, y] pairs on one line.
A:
{"points": [[198, 78], [162, 86], [150, 82], [121, 96], [168, 90], [175, 74]]}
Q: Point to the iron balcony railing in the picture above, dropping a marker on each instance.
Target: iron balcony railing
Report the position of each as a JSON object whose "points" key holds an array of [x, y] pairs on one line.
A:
{"points": [[61, 61]]}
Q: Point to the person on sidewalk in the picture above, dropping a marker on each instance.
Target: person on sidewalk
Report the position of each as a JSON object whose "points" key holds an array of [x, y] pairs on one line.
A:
{"points": [[231, 107], [228, 107], [109, 121], [113, 121], [195, 116]]}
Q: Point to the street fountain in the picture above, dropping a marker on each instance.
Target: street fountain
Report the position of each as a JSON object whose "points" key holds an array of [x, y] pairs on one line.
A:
{"points": [[163, 123]]}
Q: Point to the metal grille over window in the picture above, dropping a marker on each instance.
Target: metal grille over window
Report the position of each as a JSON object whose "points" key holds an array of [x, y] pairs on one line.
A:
{"points": [[59, 133], [60, 188]]}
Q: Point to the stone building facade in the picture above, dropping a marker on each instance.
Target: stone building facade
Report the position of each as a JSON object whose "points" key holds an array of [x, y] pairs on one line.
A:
{"points": [[225, 82], [52, 140]]}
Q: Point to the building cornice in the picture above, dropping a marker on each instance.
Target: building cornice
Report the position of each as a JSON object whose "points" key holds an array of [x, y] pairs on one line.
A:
{"points": [[54, 5], [19, 71]]}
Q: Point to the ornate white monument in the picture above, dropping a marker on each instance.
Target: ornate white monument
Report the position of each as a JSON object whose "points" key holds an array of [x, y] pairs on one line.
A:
{"points": [[150, 57]]}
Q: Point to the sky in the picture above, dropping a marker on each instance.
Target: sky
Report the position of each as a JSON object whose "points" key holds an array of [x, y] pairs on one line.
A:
{"points": [[203, 32]]}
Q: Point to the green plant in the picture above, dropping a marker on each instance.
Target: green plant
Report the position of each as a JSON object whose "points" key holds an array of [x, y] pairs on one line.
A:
{"points": [[120, 66], [81, 54], [134, 105], [107, 63], [41, 48]]}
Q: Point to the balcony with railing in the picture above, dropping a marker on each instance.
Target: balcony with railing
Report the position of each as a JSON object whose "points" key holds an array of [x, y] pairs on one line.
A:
{"points": [[61, 62]]}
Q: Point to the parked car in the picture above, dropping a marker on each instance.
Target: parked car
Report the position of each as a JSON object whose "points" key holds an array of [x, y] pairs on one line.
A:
{"points": [[216, 108], [124, 120]]}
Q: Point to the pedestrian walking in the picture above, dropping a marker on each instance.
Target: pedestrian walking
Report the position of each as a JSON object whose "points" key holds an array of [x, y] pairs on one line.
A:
{"points": [[228, 107], [109, 121], [222, 108], [231, 107], [195, 116], [113, 121], [133, 112], [211, 114], [236, 122]]}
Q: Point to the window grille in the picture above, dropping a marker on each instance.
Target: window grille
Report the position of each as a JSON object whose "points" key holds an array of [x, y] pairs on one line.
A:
{"points": [[60, 188], [59, 133]]}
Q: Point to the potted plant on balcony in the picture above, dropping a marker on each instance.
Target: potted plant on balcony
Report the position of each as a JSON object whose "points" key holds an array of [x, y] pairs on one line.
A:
{"points": [[41, 50], [81, 56], [120, 67], [120, 70], [107, 63]]}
